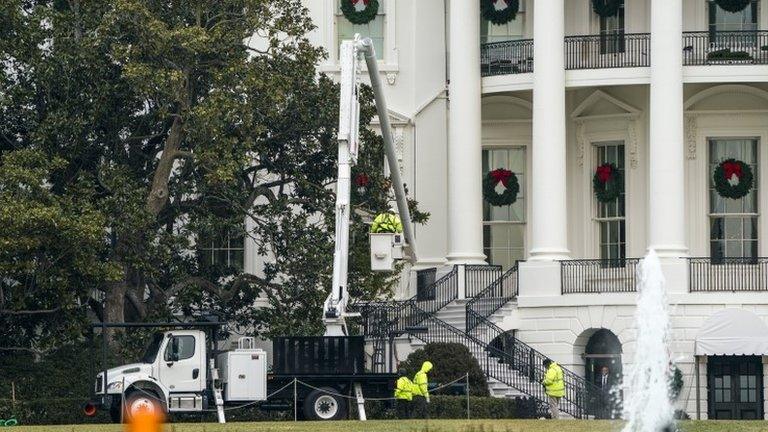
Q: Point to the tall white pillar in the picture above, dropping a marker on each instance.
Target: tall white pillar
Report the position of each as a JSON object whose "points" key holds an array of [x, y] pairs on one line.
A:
{"points": [[465, 211], [667, 157], [549, 240]]}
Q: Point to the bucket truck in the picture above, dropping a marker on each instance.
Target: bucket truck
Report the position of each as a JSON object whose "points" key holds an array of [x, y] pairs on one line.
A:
{"points": [[184, 371]]}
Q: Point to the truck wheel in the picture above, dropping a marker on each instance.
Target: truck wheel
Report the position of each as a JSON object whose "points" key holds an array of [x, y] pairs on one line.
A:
{"points": [[323, 404], [142, 400]]}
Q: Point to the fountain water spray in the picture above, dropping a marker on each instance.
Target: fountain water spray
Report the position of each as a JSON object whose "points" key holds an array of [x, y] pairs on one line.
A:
{"points": [[648, 407]]}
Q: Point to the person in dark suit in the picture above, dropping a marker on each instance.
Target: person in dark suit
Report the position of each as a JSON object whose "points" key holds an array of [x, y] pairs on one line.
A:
{"points": [[605, 382]]}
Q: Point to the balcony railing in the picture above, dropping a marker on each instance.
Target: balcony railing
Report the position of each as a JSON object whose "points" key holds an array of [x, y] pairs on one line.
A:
{"points": [[598, 276], [725, 48], [623, 50], [508, 57], [478, 277], [618, 50], [728, 274]]}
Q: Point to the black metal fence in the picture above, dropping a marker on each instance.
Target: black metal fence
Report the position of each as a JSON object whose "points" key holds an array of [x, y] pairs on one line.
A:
{"points": [[617, 50], [478, 277], [492, 298], [508, 57], [598, 276], [514, 363], [728, 274], [725, 47]]}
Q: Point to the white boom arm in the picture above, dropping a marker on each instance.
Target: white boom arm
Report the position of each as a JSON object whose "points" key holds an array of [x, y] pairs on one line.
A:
{"points": [[349, 125]]}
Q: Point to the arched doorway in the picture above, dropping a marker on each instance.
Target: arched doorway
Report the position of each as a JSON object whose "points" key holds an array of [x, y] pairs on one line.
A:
{"points": [[603, 368], [603, 350]]}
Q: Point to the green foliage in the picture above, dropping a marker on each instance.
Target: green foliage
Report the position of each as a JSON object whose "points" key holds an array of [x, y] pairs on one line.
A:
{"points": [[726, 54], [451, 361], [51, 252], [164, 131], [455, 407]]}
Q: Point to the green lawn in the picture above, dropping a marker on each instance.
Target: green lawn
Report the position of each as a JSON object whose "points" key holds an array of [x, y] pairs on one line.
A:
{"points": [[412, 426]]}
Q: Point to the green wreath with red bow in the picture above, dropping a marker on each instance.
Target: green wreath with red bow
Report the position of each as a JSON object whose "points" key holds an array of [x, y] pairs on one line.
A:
{"points": [[606, 8], [508, 179], [733, 6], [363, 16], [733, 179], [608, 182], [499, 16]]}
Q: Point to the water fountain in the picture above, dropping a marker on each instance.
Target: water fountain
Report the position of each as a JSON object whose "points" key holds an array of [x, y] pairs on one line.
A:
{"points": [[647, 406]]}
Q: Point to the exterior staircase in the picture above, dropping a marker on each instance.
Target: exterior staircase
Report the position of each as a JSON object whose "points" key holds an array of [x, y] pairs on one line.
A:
{"points": [[436, 314]]}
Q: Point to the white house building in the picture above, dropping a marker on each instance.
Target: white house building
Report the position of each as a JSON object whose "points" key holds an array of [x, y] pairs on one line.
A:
{"points": [[659, 105]]}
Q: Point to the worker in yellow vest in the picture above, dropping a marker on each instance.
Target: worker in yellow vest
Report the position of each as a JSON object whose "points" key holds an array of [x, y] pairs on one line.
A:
{"points": [[387, 223], [554, 385], [421, 390], [403, 396]]}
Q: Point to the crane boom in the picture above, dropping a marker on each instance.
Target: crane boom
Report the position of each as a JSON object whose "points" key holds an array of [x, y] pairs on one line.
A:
{"points": [[348, 137]]}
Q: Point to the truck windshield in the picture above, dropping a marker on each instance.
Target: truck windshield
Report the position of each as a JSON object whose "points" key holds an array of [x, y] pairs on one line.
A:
{"points": [[154, 346]]}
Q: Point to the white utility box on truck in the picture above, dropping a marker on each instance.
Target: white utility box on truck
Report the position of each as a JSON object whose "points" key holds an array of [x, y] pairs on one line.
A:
{"points": [[385, 249], [244, 372]]}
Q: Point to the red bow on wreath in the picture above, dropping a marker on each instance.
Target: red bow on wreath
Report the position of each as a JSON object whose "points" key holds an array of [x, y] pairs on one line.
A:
{"points": [[501, 175], [731, 168], [361, 180], [604, 173]]}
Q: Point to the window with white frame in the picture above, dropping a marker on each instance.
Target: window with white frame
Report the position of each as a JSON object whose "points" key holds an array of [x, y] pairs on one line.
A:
{"points": [[722, 20], [513, 30], [222, 250], [733, 222], [504, 227], [373, 29], [611, 216]]}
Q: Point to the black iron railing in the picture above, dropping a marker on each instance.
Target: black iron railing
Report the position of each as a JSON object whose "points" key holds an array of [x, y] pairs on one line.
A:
{"points": [[508, 57], [725, 47], [514, 363], [478, 277], [383, 319], [492, 298], [598, 276], [616, 50], [728, 274]]}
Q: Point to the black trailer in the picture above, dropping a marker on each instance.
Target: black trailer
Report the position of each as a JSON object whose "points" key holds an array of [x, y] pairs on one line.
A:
{"points": [[325, 372]]}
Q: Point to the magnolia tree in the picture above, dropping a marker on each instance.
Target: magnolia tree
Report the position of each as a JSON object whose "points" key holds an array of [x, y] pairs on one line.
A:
{"points": [[134, 131]]}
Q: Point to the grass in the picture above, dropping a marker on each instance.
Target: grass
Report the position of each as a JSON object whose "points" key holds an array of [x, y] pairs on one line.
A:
{"points": [[415, 426]]}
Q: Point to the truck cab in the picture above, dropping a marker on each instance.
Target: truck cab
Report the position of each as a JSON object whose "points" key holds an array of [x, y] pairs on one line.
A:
{"points": [[171, 375]]}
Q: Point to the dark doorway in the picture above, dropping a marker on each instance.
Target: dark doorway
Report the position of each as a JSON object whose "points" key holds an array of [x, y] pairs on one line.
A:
{"points": [[735, 387], [602, 358]]}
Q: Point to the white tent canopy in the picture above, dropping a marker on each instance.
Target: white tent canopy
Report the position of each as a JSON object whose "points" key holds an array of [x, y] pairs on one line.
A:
{"points": [[733, 332]]}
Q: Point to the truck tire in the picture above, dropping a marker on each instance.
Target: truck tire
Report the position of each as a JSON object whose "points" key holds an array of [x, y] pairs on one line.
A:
{"points": [[324, 404], [142, 400]]}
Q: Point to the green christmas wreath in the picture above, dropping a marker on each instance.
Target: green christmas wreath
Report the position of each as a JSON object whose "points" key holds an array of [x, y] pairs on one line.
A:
{"points": [[733, 6], [730, 171], [363, 16], [608, 182], [499, 16], [606, 8], [675, 383], [510, 182]]}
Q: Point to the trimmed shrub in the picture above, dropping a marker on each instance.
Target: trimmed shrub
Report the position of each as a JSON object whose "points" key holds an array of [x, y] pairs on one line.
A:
{"points": [[451, 361], [455, 407], [726, 54]]}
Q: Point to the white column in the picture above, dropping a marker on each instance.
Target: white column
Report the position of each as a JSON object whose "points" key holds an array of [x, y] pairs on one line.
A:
{"points": [[666, 195], [549, 239], [465, 211]]}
